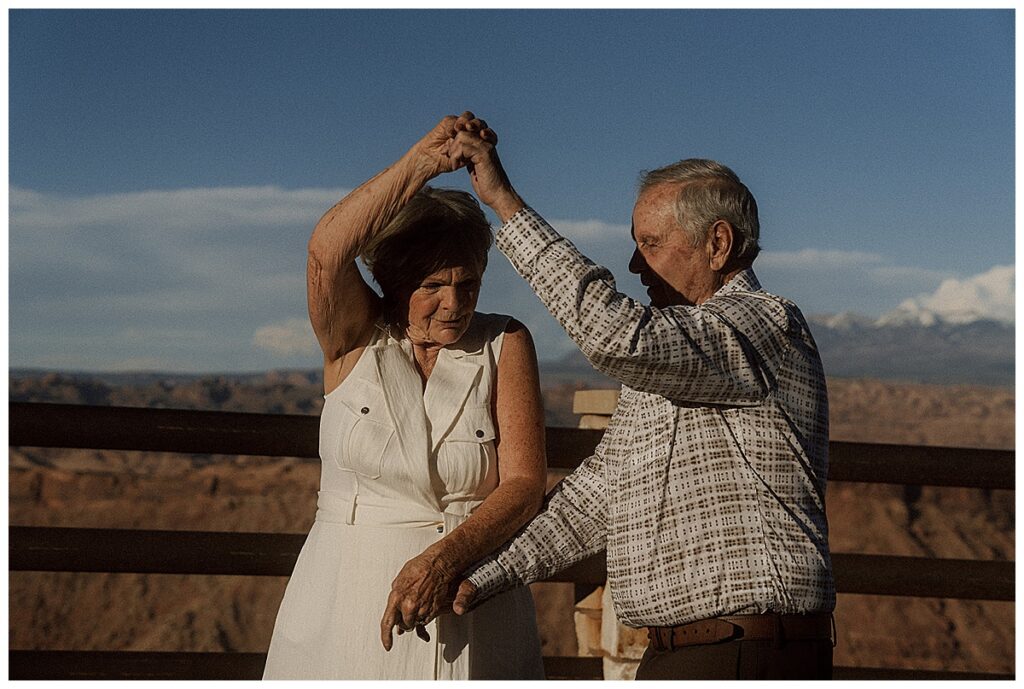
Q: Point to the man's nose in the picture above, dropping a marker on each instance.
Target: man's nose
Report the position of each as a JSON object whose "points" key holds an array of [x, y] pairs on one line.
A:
{"points": [[636, 262]]}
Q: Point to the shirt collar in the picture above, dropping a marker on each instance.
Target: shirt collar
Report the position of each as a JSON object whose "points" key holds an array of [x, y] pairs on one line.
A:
{"points": [[743, 281]]}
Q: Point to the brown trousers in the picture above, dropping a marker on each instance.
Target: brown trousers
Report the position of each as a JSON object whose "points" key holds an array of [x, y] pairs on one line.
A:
{"points": [[753, 659]]}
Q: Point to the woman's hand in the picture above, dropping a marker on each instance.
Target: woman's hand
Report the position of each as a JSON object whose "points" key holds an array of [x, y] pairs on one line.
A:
{"points": [[432, 153], [467, 141], [423, 590]]}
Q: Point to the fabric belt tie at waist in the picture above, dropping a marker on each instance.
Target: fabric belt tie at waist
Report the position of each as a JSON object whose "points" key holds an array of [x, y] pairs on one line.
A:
{"points": [[337, 507], [779, 628]]}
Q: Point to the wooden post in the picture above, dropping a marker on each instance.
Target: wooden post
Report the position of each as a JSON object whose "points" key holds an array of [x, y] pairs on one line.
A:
{"points": [[598, 632]]}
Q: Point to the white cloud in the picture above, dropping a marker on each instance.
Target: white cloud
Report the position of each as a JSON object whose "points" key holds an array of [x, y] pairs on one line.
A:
{"points": [[215, 241], [211, 263], [909, 276], [829, 281], [214, 278], [592, 230], [989, 295], [292, 336], [817, 259], [875, 266], [171, 210]]}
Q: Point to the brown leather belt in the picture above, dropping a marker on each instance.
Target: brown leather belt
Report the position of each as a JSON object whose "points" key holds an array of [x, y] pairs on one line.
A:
{"points": [[779, 628]]}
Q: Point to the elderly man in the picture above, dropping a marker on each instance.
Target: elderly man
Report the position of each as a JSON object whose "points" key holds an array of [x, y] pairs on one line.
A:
{"points": [[708, 487]]}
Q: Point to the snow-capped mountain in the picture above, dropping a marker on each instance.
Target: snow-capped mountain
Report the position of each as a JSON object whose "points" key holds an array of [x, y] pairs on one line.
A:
{"points": [[917, 345], [845, 320], [963, 332]]}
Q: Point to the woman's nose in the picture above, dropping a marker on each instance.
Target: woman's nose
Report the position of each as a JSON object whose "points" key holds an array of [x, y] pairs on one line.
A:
{"points": [[450, 300]]}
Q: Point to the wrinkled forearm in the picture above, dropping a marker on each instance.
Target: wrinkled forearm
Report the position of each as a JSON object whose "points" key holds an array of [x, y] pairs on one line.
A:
{"points": [[498, 517], [571, 526], [344, 230], [339, 301]]}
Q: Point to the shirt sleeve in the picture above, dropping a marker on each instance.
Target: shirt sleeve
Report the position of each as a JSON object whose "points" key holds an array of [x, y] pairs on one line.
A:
{"points": [[570, 527], [726, 351]]}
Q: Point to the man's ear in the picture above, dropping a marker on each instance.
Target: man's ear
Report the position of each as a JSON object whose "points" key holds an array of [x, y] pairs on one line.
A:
{"points": [[720, 244]]}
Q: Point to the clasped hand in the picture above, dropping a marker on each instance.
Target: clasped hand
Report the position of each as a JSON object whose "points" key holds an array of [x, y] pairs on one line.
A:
{"points": [[419, 593], [466, 142], [423, 590]]}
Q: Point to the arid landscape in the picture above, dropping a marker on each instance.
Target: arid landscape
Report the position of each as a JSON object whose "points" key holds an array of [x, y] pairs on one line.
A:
{"points": [[82, 488]]}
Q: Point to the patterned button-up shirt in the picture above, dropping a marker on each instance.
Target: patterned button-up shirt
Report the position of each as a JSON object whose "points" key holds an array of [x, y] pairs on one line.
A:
{"points": [[708, 487]]}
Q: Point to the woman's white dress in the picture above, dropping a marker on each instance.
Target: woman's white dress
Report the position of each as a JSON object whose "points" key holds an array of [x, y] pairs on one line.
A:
{"points": [[401, 466]]}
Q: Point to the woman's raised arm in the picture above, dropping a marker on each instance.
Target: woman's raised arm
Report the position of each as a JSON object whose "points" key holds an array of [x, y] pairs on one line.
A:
{"points": [[342, 307]]}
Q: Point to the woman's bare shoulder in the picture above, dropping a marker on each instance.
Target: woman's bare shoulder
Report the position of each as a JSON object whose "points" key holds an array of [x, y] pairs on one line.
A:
{"points": [[517, 346]]}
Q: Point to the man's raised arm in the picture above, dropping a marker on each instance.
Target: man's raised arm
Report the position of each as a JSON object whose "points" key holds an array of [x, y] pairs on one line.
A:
{"points": [[725, 353]]}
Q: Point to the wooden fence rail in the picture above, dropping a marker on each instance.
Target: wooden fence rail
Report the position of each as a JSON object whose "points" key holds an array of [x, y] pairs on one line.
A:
{"points": [[184, 666], [260, 554], [53, 549], [293, 435]]}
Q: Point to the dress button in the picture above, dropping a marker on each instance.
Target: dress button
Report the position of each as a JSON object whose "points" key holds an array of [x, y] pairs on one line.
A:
{"points": [[364, 410], [440, 529], [479, 433]]}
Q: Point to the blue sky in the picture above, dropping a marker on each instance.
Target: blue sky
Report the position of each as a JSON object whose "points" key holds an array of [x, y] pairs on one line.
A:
{"points": [[166, 167]]}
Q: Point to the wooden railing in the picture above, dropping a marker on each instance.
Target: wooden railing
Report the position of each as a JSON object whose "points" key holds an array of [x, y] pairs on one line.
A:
{"points": [[256, 554]]}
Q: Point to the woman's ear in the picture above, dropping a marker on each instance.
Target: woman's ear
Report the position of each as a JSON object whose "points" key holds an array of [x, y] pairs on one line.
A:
{"points": [[720, 241]]}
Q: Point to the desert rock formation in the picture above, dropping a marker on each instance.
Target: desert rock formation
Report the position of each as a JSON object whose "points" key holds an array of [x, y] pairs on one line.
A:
{"points": [[87, 488]]}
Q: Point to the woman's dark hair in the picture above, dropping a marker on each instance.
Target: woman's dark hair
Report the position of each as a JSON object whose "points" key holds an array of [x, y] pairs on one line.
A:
{"points": [[438, 228]]}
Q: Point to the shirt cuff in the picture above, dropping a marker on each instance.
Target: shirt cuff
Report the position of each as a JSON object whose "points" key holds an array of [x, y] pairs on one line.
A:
{"points": [[523, 237], [490, 578]]}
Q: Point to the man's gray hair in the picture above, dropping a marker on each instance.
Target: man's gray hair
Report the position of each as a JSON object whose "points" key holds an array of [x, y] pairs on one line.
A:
{"points": [[709, 191]]}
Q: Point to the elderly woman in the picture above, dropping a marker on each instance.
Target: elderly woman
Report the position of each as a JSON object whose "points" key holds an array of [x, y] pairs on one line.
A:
{"points": [[431, 440]]}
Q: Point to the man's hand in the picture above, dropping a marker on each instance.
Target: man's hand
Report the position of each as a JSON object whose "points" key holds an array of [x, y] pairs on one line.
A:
{"points": [[421, 591], [465, 597], [474, 146]]}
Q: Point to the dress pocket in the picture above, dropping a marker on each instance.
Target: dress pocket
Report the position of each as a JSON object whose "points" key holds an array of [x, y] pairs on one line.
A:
{"points": [[467, 458], [369, 432], [474, 425]]}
